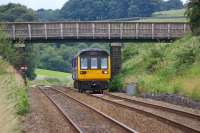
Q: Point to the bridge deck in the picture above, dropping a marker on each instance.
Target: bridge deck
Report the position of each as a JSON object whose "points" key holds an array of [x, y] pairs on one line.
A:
{"points": [[94, 30]]}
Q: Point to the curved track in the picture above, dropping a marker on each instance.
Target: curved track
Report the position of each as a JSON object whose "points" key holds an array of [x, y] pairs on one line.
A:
{"points": [[83, 117]]}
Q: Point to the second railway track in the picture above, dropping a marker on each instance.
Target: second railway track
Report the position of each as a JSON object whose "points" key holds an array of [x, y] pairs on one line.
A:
{"points": [[83, 117], [186, 121], [189, 121]]}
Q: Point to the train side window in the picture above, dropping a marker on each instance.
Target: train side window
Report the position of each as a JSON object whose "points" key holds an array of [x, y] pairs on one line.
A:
{"points": [[104, 63], [94, 64], [84, 63], [74, 63]]}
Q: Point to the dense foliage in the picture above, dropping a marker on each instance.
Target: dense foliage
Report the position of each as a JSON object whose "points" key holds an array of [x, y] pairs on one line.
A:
{"points": [[18, 56], [170, 5], [113, 9], [16, 12], [163, 68], [7, 50], [193, 12], [107, 9], [48, 15], [88, 10]]}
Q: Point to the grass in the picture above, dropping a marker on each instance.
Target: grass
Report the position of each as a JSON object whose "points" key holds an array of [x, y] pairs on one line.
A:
{"points": [[170, 13], [164, 68], [163, 20], [51, 74], [48, 77], [13, 99]]}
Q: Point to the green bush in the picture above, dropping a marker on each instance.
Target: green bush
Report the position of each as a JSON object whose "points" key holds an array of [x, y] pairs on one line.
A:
{"points": [[166, 73], [116, 84], [155, 85], [129, 52], [155, 58], [185, 57], [195, 94], [22, 103]]}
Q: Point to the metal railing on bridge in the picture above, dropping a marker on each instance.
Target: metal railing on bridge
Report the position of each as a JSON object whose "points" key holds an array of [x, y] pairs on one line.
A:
{"points": [[102, 30]]}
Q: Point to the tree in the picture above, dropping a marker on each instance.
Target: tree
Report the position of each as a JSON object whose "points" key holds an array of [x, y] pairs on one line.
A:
{"points": [[171, 4], [108, 9], [16, 13], [48, 15], [7, 50], [193, 13]]}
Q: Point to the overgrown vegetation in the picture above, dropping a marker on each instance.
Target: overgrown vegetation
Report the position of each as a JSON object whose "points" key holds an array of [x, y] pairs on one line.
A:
{"points": [[116, 84], [13, 98], [13, 93], [19, 56], [163, 68]]}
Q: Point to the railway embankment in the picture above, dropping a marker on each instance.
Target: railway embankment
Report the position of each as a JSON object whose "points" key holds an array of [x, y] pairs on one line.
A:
{"points": [[13, 99], [163, 70]]}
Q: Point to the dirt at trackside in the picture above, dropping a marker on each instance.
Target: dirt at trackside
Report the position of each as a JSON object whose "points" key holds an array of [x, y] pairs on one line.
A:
{"points": [[43, 116]]}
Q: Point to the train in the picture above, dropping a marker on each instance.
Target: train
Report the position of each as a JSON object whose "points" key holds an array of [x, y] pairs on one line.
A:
{"points": [[91, 70]]}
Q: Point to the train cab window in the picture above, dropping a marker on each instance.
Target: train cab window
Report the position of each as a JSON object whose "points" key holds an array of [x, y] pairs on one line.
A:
{"points": [[104, 63], [94, 63], [84, 63]]}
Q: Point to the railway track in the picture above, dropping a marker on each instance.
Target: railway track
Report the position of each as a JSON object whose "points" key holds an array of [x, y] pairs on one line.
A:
{"points": [[189, 122], [83, 117], [186, 121], [189, 113]]}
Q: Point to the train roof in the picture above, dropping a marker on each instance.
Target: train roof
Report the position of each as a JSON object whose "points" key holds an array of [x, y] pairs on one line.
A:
{"points": [[90, 50]]}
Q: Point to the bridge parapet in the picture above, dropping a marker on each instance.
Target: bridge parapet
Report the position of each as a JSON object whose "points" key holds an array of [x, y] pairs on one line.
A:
{"points": [[95, 30]]}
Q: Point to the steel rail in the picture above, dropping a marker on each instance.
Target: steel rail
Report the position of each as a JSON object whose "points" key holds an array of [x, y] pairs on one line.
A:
{"points": [[156, 106], [162, 118], [66, 117], [97, 111]]}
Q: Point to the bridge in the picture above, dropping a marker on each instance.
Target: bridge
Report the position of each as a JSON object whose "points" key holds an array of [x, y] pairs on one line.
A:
{"points": [[108, 31]]}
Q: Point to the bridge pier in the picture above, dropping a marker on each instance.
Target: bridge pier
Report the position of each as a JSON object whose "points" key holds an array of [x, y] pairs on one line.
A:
{"points": [[115, 53]]}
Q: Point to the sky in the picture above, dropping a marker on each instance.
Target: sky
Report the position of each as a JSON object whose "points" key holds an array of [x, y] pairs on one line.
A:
{"points": [[38, 4]]}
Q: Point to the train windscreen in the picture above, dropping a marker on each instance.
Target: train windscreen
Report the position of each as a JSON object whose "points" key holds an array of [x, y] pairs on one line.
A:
{"points": [[104, 63]]}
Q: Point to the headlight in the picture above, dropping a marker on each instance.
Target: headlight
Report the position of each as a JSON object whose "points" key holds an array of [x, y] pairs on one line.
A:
{"points": [[105, 72], [83, 72]]}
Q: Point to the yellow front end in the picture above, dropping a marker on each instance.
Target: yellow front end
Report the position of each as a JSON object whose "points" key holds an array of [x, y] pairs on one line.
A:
{"points": [[94, 74]]}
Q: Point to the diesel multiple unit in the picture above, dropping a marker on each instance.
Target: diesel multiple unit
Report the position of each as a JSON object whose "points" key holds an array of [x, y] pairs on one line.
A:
{"points": [[91, 70]]}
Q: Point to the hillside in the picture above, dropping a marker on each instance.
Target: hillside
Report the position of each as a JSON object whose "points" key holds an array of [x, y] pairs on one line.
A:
{"points": [[13, 99], [170, 13], [167, 16], [163, 68]]}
